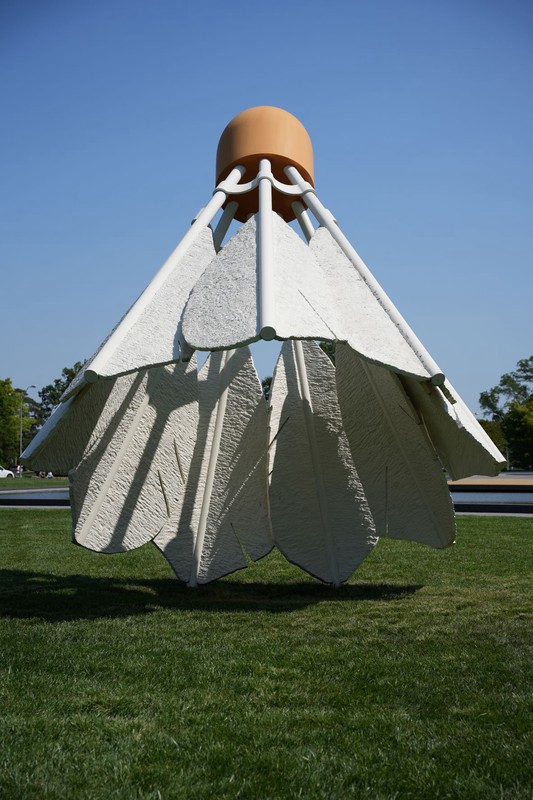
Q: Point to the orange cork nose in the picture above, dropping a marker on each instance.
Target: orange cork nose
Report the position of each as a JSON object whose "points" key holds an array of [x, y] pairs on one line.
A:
{"points": [[264, 132]]}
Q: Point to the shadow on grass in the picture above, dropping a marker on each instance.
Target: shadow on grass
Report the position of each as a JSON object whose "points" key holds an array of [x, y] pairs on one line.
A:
{"points": [[58, 598]]}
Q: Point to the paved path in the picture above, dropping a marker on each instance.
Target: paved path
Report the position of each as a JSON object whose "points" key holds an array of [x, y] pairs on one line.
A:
{"points": [[505, 482]]}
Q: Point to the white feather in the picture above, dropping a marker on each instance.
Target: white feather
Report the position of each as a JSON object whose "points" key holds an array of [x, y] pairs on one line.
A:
{"points": [[131, 476], [224, 512], [402, 477], [463, 446], [362, 321], [320, 518], [222, 310], [149, 334]]}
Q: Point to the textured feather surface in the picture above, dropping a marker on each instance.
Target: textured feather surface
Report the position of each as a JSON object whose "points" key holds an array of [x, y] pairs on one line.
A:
{"points": [[463, 446], [320, 517], [361, 320], [236, 508], [63, 439], [402, 477], [131, 476], [222, 309], [153, 333]]}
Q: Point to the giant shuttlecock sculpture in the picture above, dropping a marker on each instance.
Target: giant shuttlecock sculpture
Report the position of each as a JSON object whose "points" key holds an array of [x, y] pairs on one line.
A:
{"points": [[194, 460]]}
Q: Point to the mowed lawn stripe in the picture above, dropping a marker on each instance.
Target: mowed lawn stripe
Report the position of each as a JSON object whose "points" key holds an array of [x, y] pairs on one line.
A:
{"points": [[411, 681]]}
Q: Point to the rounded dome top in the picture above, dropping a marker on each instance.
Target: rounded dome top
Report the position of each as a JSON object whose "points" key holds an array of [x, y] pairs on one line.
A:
{"points": [[265, 132]]}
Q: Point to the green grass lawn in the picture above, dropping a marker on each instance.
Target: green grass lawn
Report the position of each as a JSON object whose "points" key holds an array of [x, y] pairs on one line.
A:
{"points": [[9, 484], [412, 681]]}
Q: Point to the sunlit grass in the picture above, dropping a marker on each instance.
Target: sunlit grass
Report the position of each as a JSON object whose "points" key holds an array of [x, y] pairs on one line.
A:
{"points": [[30, 482], [411, 681]]}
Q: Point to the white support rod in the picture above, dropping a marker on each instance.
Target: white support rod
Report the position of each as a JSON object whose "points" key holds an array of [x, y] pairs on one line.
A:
{"points": [[303, 218], [220, 413], [326, 219], [223, 224], [307, 404], [265, 254], [92, 373]]}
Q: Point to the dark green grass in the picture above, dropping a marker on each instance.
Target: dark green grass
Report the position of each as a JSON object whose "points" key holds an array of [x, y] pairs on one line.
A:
{"points": [[30, 482], [412, 681]]}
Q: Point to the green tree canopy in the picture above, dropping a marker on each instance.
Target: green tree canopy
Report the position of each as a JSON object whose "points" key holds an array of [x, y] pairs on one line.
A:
{"points": [[51, 395], [494, 429], [329, 349], [514, 387], [9, 422], [17, 409], [517, 427], [510, 407], [266, 383]]}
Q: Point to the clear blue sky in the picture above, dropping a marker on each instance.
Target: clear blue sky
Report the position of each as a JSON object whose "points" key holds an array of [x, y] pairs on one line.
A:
{"points": [[420, 113]]}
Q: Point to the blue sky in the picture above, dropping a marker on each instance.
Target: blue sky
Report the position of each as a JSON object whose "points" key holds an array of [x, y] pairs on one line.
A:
{"points": [[420, 114]]}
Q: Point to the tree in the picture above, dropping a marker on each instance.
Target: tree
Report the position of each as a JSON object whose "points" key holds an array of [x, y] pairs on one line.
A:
{"points": [[16, 408], [31, 420], [329, 350], [514, 387], [494, 429], [266, 383], [510, 407], [517, 427], [9, 422], [51, 395]]}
